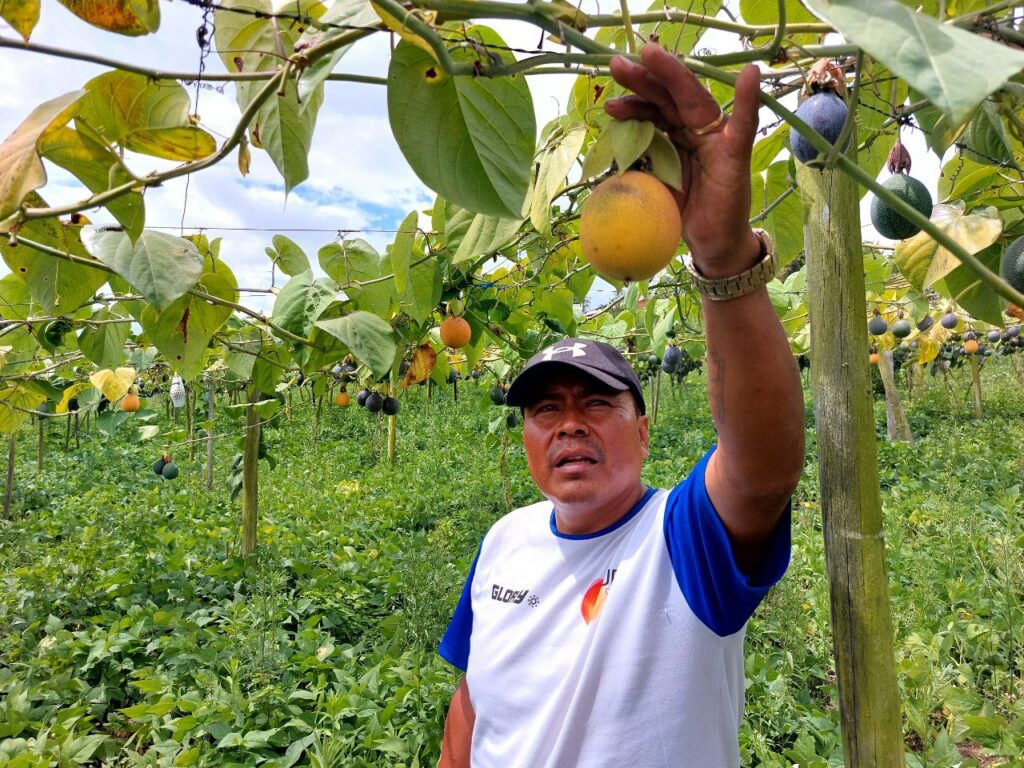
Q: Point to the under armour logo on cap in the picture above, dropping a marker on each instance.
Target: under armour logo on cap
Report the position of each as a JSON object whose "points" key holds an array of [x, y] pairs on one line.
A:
{"points": [[579, 349]]}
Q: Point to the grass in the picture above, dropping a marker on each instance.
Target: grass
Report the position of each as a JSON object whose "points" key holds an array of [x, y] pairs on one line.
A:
{"points": [[131, 633]]}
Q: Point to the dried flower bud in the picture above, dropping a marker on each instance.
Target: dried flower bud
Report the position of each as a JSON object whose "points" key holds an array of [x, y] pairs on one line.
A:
{"points": [[826, 76], [899, 158]]}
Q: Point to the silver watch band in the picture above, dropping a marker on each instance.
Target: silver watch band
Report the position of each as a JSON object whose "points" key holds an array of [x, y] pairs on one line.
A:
{"points": [[744, 283]]}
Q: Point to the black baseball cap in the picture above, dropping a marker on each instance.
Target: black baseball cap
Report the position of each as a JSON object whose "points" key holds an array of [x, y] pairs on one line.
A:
{"points": [[598, 360]]}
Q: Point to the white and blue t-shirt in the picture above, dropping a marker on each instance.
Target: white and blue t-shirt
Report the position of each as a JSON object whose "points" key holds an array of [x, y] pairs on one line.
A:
{"points": [[619, 647]]}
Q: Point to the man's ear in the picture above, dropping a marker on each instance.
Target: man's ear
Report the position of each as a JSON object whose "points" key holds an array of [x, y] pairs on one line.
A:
{"points": [[643, 424]]}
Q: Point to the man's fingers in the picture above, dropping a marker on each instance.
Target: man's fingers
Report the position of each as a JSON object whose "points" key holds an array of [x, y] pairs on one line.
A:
{"points": [[695, 107], [743, 121], [638, 79]]}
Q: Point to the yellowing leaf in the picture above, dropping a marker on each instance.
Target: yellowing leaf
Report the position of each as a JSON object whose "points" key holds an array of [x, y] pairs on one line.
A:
{"points": [[927, 349], [423, 361], [923, 262], [73, 391], [15, 402], [144, 116], [398, 26], [3, 354], [21, 169], [113, 384], [126, 17], [22, 15]]}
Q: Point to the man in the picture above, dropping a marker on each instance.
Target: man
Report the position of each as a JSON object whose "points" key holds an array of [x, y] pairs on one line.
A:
{"points": [[604, 626]]}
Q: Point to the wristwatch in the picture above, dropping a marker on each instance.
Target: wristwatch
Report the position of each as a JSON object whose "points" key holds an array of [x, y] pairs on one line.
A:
{"points": [[746, 282]]}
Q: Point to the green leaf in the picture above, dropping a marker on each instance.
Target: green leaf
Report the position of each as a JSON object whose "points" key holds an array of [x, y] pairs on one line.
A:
{"points": [[126, 17], [269, 367], [401, 251], [144, 116], [301, 302], [242, 356], [965, 288], [556, 160], [342, 15], [768, 148], [939, 131], [110, 421], [250, 40], [58, 286], [424, 290], [471, 139], [13, 398], [159, 266], [879, 92], [288, 256], [665, 162], [21, 169], [15, 298], [943, 62], [986, 141], [786, 220], [923, 261], [599, 156], [99, 169], [767, 12], [183, 330], [22, 15], [485, 235], [353, 261], [630, 139], [367, 336], [103, 344]]}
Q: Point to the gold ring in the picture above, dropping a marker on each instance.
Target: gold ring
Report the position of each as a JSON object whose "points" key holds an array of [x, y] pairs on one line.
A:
{"points": [[714, 125]]}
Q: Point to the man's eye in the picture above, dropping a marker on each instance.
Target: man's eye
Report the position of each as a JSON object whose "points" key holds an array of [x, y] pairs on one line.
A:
{"points": [[597, 402]]}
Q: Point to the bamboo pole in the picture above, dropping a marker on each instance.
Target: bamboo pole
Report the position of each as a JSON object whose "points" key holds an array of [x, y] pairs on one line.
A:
{"points": [[250, 480], [976, 385], [41, 446], [897, 426], [848, 473], [190, 420], [209, 437], [12, 440]]}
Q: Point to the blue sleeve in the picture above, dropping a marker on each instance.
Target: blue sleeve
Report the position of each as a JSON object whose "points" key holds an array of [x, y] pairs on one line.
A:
{"points": [[717, 591], [454, 647]]}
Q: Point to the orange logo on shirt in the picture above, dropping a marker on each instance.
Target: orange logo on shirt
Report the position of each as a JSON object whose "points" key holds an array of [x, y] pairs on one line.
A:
{"points": [[593, 600]]}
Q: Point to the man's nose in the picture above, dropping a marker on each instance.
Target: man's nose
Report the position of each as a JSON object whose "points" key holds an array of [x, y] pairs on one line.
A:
{"points": [[572, 423]]}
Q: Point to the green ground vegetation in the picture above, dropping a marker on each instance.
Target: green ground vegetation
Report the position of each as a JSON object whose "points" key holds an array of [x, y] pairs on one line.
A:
{"points": [[131, 633]]}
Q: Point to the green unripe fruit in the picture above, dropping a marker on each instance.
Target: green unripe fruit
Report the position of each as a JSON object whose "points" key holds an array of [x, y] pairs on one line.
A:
{"points": [[170, 471], [498, 396], [901, 329], [1012, 265], [511, 421], [908, 189], [158, 466], [877, 325]]}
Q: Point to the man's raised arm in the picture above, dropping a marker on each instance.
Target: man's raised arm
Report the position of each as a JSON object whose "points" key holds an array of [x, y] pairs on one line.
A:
{"points": [[753, 383]]}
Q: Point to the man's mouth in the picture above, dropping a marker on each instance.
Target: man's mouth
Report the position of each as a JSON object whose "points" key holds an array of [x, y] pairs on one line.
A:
{"points": [[575, 459]]}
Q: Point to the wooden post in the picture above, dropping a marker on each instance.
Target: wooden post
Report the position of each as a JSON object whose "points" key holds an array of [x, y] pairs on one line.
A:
{"points": [[67, 433], [976, 385], [848, 473], [190, 421], [250, 480], [41, 445], [11, 442], [897, 426], [392, 437], [209, 437]]}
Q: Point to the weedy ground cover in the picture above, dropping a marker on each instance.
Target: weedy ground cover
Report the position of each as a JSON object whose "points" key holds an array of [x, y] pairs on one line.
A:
{"points": [[131, 633]]}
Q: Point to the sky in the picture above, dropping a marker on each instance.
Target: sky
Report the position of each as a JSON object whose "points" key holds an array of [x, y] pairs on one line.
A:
{"points": [[358, 179]]}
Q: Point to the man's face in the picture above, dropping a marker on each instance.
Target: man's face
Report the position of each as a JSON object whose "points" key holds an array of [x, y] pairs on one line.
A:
{"points": [[585, 445]]}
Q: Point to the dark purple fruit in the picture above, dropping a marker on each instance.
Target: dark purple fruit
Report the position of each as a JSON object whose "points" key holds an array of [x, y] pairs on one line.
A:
{"points": [[970, 336], [390, 406], [825, 113], [993, 336], [374, 402], [361, 397], [877, 325], [901, 329], [949, 320], [925, 323]]}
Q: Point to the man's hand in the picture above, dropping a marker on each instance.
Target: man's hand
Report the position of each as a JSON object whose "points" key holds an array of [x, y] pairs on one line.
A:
{"points": [[714, 150]]}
